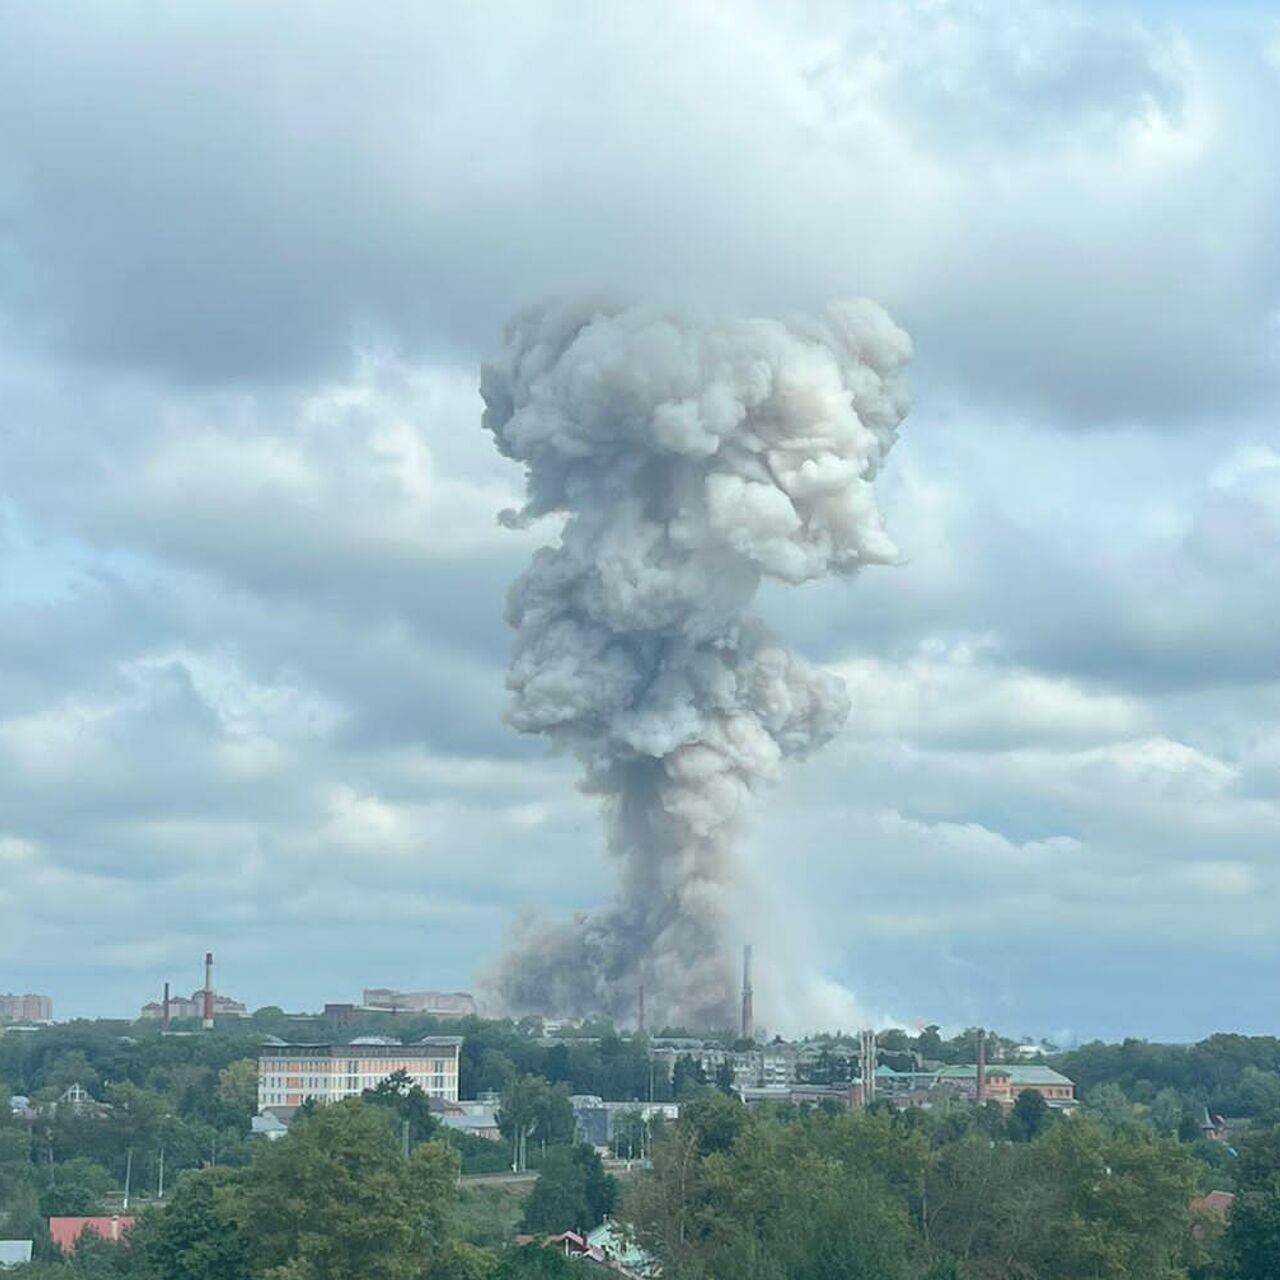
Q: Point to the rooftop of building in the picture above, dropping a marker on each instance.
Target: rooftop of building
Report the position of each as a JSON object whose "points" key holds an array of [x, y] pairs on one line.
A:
{"points": [[64, 1232], [275, 1047], [1018, 1073], [13, 1253]]}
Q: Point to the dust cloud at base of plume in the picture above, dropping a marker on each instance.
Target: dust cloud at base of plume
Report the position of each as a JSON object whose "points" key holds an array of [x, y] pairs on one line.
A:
{"points": [[688, 460]]}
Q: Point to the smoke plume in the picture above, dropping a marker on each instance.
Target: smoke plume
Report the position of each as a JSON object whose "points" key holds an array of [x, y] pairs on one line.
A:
{"points": [[687, 460]]}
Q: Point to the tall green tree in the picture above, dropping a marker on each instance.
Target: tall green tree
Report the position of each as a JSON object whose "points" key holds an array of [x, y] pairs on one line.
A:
{"points": [[335, 1199], [573, 1192], [687, 1077], [1029, 1117], [534, 1114], [1253, 1235], [407, 1103], [77, 1187], [195, 1235]]}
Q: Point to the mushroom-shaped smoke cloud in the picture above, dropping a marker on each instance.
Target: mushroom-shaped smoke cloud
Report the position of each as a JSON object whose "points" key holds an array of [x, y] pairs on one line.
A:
{"points": [[688, 459]]}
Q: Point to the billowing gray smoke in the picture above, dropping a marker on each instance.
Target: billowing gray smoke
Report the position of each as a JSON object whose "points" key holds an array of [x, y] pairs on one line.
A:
{"points": [[688, 460]]}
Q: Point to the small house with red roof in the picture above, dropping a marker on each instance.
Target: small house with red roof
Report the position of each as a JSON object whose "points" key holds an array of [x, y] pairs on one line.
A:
{"points": [[66, 1231]]}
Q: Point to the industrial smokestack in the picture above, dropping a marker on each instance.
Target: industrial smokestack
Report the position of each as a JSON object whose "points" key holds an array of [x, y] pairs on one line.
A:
{"points": [[164, 1017], [868, 1056], [981, 1094], [208, 991], [748, 1013], [685, 462]]}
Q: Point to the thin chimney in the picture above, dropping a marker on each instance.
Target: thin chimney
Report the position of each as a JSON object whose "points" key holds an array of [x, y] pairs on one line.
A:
{"points": [[208, 991], [748, 1013], [982, 1067], [164, 1019]]}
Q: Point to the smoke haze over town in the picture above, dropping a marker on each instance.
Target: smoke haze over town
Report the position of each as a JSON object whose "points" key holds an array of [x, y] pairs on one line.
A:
{"points": [[254, 665]]}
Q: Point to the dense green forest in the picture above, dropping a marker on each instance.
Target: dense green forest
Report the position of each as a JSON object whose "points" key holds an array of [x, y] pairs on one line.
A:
{"points": [[782, 1192]]}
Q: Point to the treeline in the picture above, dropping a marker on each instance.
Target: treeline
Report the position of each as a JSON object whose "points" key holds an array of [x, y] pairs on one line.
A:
{"points": [[339, 1197], [957, 1193], [943, 1195], [1230, 1075]]}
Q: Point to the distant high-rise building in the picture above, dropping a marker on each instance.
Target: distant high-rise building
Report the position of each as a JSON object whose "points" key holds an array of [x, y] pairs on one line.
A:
{"points": [[28, 1008]]}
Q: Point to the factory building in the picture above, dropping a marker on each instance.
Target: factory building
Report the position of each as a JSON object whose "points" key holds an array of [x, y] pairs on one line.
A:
{"points": [[442, 1004], [1003, 1084], [205, 1003], [289, 1074], [181, 1007]]}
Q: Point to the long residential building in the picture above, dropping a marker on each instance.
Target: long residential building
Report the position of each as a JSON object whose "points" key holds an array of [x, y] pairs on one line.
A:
{"points": [[289, 1074], [28, 1008]]}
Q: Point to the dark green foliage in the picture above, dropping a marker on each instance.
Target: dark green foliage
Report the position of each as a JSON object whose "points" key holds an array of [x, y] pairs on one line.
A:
{"points": [[534, 1115], [1030, 1116], [715, 1120], [1253, 1236], [687, 1077], [573, 1192], [478, 1155], [724, 1076], [195, 1235], [76, 1188], [532, 1262], [408, 1104], [1231, 1075], [336, 1199], [888, 1198]]}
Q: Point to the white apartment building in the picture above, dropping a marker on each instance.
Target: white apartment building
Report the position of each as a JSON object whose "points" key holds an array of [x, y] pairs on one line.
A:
{"points": [[289, 1074]]}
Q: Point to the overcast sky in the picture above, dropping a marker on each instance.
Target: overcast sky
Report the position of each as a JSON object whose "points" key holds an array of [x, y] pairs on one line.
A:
{"points": [[251, 581]]}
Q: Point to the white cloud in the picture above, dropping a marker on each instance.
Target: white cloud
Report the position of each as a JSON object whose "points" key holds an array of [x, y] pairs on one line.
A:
{"points": [[251, 647], [950, 692]]}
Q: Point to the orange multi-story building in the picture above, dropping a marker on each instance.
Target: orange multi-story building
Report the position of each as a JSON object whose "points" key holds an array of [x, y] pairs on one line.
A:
{"points": [[289, 1074]]}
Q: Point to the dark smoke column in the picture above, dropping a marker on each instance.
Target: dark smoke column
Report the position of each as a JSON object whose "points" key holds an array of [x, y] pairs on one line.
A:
{"points": [[688, 460]]}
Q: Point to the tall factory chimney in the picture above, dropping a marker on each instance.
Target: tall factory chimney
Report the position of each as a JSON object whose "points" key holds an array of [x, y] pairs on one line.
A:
{"points": [[868, 1058], [748, 1013], [208, 991], [164, 1016], [981, 1096]]}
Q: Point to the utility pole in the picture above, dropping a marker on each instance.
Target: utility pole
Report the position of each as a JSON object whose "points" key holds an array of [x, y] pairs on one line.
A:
{"points": [[160, 1185], [128, 1175]]}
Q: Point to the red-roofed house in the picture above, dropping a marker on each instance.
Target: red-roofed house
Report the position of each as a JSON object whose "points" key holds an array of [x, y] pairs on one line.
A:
{"points": [[1218, 1202], [66, 1231]]}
